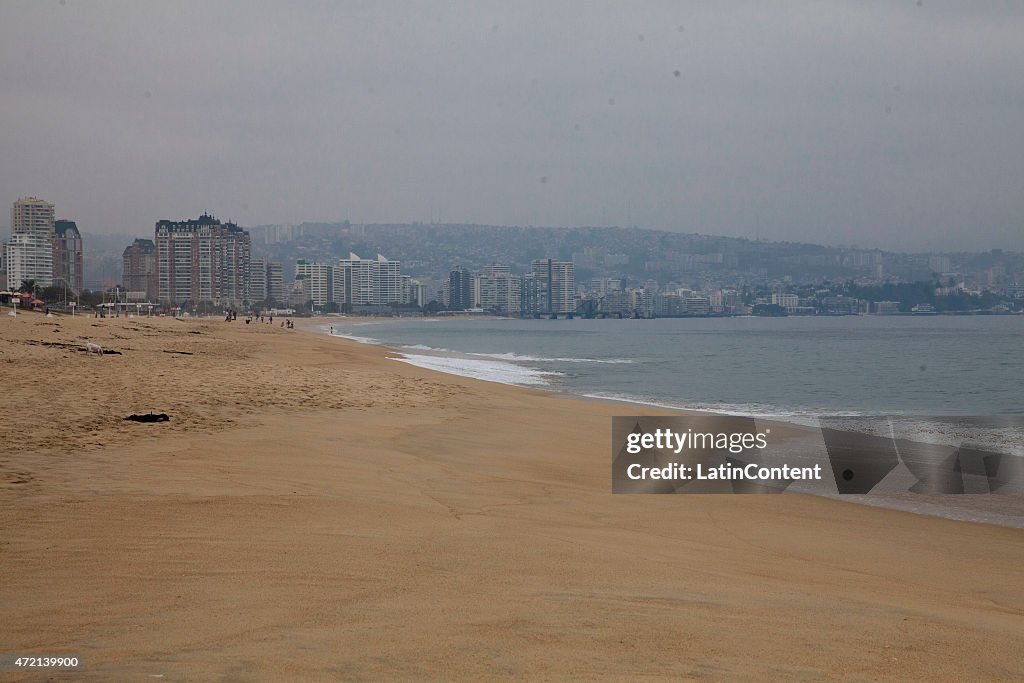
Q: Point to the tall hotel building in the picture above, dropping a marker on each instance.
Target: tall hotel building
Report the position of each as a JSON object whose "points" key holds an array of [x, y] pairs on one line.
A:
{"points": [[202, 260], [498, 290], [139, 269], [266, 281], [560, 284], [258, 279], [29, 253], [319, 282], [275, 282], [68, 265], [460, 290], [369, 282]]}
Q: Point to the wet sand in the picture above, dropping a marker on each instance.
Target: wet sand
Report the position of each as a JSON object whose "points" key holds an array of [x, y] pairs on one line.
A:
{"points": [[314, 510]]}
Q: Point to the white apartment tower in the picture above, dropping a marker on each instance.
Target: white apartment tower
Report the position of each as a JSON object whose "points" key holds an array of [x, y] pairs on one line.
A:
{"points": [[29, 253], [498, 290], [32, 216], [561, 285], [369, 282], [319, 282]]}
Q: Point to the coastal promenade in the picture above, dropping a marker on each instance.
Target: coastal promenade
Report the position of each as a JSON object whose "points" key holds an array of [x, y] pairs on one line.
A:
{"points": [[314, 510]]}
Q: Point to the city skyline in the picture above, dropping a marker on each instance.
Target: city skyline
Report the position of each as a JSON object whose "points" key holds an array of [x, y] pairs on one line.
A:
{"points": [[600, 251], [631, 273], [890, 127]]}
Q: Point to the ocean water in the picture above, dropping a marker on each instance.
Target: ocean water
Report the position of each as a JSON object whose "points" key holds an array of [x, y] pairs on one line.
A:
{"points": [[937, 365], [907, 370]]}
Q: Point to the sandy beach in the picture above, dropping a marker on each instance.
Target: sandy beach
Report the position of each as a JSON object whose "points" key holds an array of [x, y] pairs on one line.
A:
{"points": [[313, 510]]}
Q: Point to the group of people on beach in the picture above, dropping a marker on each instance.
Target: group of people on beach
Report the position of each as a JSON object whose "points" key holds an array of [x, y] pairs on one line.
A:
{"points": [[268, 320]]}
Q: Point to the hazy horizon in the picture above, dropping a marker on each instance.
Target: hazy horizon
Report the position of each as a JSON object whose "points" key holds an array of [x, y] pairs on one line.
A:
{"points": [[5, 233], [883, 126]]}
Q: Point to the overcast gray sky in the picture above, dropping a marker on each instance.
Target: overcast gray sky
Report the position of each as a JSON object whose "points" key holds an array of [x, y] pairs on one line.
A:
{"points": [[894, 125]]}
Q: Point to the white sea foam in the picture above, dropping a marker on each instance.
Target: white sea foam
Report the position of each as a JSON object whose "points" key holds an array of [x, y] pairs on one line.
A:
{"points": [[361, 340], [488, 370], [517, 358], [424, 347], [936, 430], [806, 418]]}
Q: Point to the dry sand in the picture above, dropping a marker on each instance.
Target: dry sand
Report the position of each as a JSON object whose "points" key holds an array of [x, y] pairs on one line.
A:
{"points": [[316, 511]]}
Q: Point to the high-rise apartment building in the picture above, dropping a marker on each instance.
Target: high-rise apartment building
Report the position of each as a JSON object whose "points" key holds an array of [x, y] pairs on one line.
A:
{"points": [[460, 289], [602, 285], [499, 291], [202, 260], [369, 282], [29, 253], [29, 258], [275, 281], [533, 295], [389, 281], [258, 279], [413, 292], [32, 216], [266, 281], [139, 271], [68, 256], [561, 285], [321, 283]]}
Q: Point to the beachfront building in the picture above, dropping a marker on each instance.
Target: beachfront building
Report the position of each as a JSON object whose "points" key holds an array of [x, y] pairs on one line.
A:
{"points": [[29, 258], [202, 260], [138, 268], [533, 295], [369, 282], [615, 303], [321, 283], [389, 281], [32, 216], [275, 281], [887, 307], [413, 292], [560, 286], [698, 305], [68, 255], [840, 305], [669, 305], [791, 302], [28, 255], [602, 285], [498, 291], [258, 279], [641, 302], [460, 289]]}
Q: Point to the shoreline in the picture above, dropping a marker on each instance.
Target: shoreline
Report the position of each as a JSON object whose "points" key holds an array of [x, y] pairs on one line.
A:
{"points": [[314, 510], [527, 363], [997, 509]]}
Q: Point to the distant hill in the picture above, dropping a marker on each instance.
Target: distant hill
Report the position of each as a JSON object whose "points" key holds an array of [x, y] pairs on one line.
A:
{"points": [[431, 250]]}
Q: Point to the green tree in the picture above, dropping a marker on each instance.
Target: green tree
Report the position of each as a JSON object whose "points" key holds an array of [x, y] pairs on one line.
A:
{"points": [[52, 294]]}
